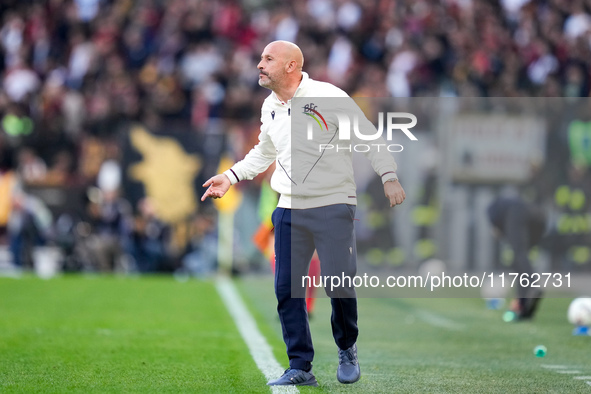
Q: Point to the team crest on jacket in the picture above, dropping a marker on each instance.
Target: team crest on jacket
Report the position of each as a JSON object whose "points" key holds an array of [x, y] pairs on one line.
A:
{"points": [[310, 110]]}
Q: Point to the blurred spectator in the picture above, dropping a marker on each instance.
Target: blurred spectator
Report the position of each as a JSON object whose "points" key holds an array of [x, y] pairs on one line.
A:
{"points": [[8, 185], [102, 248], [578, 23], [110, 219], [12, 38], [29, 225], [20, 81], [82, 56], [31, 168], [60, 171], [201, 258], [150, 239], [87, 9]]}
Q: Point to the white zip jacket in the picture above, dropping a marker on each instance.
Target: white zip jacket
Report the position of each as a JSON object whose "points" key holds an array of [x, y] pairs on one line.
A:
{"points": [[321, 177]]}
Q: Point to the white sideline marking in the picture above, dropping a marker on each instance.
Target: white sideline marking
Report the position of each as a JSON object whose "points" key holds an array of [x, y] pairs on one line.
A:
{"points": [[438, 320], [563, 369], [258, 346]]}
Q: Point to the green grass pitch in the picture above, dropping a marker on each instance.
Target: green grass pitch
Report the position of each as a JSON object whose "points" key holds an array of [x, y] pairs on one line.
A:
{"points": [[108, 334], [154, 334]]}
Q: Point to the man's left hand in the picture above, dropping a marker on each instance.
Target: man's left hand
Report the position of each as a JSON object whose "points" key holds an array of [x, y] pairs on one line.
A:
{"points": [[394, 192]]}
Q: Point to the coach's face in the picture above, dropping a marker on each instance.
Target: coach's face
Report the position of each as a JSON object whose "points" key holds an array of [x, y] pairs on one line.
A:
{"points": [[272, 67]]}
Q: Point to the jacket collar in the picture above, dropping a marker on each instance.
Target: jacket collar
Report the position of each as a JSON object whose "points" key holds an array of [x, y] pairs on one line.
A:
{"points": [[299, 91]]}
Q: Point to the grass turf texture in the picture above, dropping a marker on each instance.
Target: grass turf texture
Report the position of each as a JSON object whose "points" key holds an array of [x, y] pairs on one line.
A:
{"points": [[442, 346], [109, 334], [153, 334]]}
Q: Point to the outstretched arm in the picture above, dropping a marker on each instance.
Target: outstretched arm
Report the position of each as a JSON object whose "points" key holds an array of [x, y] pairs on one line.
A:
{"points": [[217, 186]]}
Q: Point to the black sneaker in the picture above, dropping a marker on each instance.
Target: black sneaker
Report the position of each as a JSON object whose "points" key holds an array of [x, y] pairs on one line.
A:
{"points": [[348, 370], [295, 377]]}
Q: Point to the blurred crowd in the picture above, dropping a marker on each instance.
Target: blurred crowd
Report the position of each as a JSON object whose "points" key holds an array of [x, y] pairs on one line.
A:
{"points": [[75, 74]]}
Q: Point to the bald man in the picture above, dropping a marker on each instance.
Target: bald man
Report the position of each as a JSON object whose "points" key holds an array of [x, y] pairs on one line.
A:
{"points": [[306, 221]]}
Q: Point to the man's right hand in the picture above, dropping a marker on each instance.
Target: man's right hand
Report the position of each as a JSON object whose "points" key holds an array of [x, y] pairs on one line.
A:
{"points": [[217, 186]]}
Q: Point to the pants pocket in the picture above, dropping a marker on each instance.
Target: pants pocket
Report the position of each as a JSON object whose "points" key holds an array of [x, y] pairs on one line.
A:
{"points": [[351, 209]]}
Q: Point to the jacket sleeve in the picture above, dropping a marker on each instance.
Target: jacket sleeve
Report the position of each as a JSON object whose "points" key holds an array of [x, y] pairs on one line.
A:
{"points": [[381, 160], [260, 157]]}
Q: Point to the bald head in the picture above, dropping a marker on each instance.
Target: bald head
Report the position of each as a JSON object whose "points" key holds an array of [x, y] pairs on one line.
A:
{"points": [[280, 68], [288, 51]]}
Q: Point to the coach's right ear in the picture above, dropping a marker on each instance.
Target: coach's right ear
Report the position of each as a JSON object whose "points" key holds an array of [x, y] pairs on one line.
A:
{"points": [[291, 66]]}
